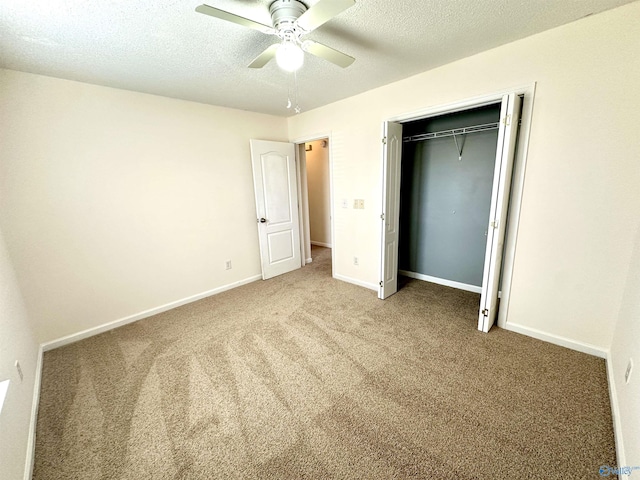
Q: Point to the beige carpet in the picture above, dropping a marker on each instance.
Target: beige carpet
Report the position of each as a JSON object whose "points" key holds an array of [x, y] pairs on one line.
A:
{"points": [[306, 377]]}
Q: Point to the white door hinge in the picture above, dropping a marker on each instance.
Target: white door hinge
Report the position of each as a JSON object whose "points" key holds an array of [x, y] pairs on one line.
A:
{"points": [[382, 216], [507, 120], [485, 312], [494, 224], [384, 140], [380, 282]]}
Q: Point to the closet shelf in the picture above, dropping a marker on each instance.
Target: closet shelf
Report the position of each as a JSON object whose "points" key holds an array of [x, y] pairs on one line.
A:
{"points": [[452, 132]]}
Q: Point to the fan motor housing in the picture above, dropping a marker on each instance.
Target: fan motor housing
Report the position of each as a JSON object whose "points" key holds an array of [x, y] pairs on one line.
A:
{"points": [[284, 13]]}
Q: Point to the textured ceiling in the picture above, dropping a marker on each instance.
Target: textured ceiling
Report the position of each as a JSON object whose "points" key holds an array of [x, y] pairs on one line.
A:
{"points": [[165, 48]]}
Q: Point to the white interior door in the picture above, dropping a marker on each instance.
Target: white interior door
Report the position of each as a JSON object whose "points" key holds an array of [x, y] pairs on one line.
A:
{"points": [[509, 119], [274, 180], [391, 162]]}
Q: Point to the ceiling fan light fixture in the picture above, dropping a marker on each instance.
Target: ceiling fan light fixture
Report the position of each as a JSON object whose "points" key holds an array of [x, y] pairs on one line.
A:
{"points": [[289, 56]]}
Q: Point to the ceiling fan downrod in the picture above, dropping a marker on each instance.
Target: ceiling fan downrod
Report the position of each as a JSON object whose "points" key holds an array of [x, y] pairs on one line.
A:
{"points": [[284, 15]]}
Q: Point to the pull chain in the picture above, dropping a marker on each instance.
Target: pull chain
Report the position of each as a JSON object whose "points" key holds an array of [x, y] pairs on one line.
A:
{"points": [[293, 102], [295, 79]]}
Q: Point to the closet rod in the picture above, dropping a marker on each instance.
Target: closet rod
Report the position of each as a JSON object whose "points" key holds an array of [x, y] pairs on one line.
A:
{"points": [[450, 133]]}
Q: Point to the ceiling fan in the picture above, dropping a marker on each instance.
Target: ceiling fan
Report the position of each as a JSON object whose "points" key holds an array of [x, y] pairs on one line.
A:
{"points": [[291, 20]]}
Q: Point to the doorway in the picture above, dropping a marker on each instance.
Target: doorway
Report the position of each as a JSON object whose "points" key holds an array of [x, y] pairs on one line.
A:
{"points": [[293, 193], [512, 104], [315, 186]]}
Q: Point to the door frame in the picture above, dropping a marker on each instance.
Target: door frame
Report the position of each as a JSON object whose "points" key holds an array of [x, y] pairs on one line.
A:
{"points": [[303, 204], [519, 169]]}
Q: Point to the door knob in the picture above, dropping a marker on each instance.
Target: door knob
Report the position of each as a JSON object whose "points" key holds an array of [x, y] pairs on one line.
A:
{"points": [[263, 220]]}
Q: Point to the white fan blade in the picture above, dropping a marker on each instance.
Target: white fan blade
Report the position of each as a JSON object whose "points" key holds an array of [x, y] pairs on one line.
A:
{"points": [[230, 17], [322, 12], [334, 56], [262, 59]]}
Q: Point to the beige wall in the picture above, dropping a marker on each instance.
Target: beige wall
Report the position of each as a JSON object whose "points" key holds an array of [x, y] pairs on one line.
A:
{"points": [[17, 342], [581, 197], [115, 202], [317, 161]]}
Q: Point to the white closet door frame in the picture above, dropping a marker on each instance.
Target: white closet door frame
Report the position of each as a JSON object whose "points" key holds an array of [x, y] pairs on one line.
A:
{"points": [[527, 93]]}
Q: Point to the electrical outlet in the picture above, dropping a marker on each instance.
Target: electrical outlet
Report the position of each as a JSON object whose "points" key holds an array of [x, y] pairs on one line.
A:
{"points": [[361, 204], [345, 203], [19, 368], [355, 261], [355, 203], [227, 265], [627, 374]]}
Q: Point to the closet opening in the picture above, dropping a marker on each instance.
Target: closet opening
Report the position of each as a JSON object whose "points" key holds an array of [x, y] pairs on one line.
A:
{"points": [[447, 180], [445, 196]]}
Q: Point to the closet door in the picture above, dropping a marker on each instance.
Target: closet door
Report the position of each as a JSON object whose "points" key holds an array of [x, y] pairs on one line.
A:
{"points": [[391, 158], [509, 119]]}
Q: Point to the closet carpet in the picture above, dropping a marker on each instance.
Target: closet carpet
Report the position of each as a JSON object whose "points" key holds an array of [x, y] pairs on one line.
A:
{"points": [[306, 377]]}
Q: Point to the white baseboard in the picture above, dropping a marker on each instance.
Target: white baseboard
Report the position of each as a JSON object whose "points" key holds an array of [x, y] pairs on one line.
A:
{"points": [[320, 244], [74, 337], [441, 281], [360, 283], [557, 340], [31, 442], [615, 413]]}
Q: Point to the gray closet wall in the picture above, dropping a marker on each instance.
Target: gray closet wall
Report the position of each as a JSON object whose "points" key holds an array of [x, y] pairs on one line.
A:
{"points": [[445, 202]]}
